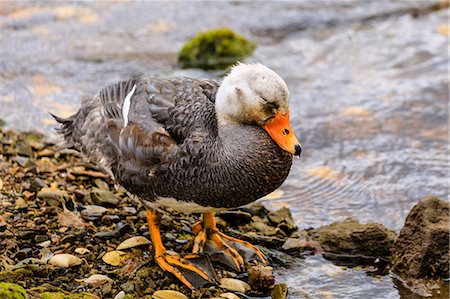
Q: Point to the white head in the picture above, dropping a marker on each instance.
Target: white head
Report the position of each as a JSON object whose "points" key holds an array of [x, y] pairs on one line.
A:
{"points": [[253, 94]]}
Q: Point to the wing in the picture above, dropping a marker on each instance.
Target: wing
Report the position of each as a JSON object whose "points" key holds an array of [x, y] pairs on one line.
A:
{"points": [[185, 108]]}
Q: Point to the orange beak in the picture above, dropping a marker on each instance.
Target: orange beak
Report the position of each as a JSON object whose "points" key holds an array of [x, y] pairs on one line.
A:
{"points": [[281, 132]]}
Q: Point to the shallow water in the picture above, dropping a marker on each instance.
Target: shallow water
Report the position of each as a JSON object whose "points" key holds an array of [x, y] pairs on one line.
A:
{"points": [[369, 91]]}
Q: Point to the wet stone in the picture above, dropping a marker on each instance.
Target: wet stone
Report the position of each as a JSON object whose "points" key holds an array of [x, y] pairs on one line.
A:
{"points": [[351, 237], [282, 218], [260, 277], [428, 222]]}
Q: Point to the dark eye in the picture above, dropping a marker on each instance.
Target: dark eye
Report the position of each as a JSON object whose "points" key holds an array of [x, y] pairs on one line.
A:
{"points": [[268, 119]]}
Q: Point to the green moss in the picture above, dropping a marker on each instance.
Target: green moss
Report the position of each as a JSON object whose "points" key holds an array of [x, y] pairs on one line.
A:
{"points": [[215, 49], [65, 295], [12, 291], [2, 123], [15, 275]]}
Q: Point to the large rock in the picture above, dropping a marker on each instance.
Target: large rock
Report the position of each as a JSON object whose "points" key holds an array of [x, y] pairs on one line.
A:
{"points": [[351, 237], [422, 249]]}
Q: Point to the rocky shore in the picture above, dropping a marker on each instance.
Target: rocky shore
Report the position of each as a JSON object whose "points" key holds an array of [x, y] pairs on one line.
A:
{"points": [[66, 231]]}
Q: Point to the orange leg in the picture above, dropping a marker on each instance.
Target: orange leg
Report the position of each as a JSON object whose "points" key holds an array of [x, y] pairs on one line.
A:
{"points": [[209, 236], [183, 268]]}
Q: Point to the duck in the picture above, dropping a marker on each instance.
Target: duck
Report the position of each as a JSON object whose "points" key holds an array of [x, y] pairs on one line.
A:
{"points": [[195, 146]]}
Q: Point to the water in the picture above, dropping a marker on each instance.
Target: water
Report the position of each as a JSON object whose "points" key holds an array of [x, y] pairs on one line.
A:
{"points": [[368, 81]]}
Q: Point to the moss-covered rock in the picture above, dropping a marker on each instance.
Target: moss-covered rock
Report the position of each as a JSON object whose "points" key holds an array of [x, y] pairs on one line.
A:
{"points": [[215, 49], [12, 291]]}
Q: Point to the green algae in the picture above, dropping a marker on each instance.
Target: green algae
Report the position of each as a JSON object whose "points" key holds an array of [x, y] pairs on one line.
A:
{"points": [[215, 49], [12, 291]]}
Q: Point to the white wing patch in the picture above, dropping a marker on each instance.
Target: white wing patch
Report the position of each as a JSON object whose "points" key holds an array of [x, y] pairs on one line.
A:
{"points": [[126, 106]]}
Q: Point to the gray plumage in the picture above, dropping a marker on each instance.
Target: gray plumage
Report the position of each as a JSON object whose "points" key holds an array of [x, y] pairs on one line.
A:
{"points": [[173, 146]]}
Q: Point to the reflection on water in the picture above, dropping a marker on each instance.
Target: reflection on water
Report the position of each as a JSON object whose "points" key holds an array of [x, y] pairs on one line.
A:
{"points": [[368, 80]]}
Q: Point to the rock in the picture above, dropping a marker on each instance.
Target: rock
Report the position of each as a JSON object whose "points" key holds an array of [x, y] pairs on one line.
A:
{"points": [[104, 197], [12, 291], [82, 250], [129, 210], [92, 212], [53, 196], [234, 285], [101, 184], [262, 228], [229, 296], [114, 258], [96, 279], [282, 219], [120, 295], [64, 260], [279, 291], [260, 277], [44, 244], [295, 245], [215, 49], [422, 249], [168, 294], [235, 217], [351, 237], [133, 242], [37, 184]]}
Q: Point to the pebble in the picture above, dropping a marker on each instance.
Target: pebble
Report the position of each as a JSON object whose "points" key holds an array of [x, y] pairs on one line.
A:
{"points": [[129, 210], [92, 212], [236, 285], [45, 244], [282, 217], [168, 294], [114, 258], [229, 296], [133, 242], [81, 250], [52, 196], [104, 197], [64, 260], [120, 295], [96, 279]]}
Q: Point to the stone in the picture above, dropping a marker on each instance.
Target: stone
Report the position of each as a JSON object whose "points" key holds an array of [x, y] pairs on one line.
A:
{"points": [[279, 291], [228, 296], [295, 245], [120, 295], [168, 294], [133, 242], [114, 258], [234, 285], [37, 184], [282, 218], [64, 260], [260, 277], [53, 196], [96, 279], [422, 248], [92, 212], [353, 238], [81, 250], [103, 197]]}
